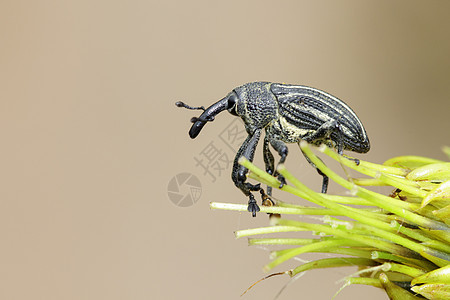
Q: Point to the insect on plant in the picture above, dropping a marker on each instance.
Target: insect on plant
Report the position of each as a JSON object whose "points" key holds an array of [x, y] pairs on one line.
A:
{"points": [[288, 114]]}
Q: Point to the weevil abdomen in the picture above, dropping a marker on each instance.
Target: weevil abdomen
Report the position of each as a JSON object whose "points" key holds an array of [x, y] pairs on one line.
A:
{"points": [[307, 109]]}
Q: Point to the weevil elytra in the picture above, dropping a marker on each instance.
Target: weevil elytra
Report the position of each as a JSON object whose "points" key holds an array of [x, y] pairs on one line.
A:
{"points": [[288, 114]]}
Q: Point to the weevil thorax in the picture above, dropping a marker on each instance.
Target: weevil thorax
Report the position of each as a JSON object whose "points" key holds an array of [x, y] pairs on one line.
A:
{"points": [[256, 105]]}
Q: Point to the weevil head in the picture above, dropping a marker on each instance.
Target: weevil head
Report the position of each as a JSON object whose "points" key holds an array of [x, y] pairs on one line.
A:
{"points": [[252, 102], [232, 103], [228, 103]]}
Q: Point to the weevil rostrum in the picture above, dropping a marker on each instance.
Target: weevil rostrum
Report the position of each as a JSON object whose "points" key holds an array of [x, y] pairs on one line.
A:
{"points": [[288, 114]]}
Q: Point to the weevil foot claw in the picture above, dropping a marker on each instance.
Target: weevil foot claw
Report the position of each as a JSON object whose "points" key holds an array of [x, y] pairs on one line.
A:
{"points": [[282, 180], [252, 206], [357, 162]]}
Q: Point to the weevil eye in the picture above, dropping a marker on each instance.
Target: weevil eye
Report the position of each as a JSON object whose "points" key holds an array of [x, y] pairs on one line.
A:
{"points": [[231, 106]]}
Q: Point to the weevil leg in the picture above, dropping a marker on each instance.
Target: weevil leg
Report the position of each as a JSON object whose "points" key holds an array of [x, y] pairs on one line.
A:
{"points": [[324, 132], [340, 144], [239, 173], [269, 162], [282, 150], [324, 177]]}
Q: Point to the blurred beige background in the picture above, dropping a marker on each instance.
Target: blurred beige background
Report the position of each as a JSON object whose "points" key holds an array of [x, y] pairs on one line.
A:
{"points": [[91, 137]]}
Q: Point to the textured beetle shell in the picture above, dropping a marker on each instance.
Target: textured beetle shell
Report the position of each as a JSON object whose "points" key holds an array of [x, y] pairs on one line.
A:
{"points": [[303, 110]]}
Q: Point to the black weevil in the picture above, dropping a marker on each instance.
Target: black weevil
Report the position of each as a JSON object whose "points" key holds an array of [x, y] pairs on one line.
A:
{"points": [[288, 114]]}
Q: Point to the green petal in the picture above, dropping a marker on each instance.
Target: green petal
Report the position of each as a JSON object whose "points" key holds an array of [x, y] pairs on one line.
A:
{"points": [[395, 292], [443, 214], [433, 291], [410, 162], [432, 172], [441, 275], [441, 192]]}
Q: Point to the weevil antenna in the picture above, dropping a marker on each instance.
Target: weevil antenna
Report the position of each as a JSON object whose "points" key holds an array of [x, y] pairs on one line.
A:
{"points": [[182, 104]]}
